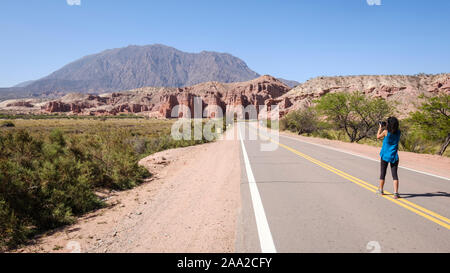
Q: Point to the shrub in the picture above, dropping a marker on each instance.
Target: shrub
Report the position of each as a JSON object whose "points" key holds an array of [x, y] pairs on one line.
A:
{"points": [[45, 183], [114, 156], [8, 124], [12, 230], [49, 177], [433, 120], [411, 140], [271, 124], [300, 121]]}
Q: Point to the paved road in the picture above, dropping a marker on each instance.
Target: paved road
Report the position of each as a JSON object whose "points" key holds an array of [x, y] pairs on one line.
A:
{"points": [[306, 198]]}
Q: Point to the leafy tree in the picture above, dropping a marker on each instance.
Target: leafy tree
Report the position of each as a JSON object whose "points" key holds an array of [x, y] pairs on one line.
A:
{"points": [[354, 113], [433, 120]]}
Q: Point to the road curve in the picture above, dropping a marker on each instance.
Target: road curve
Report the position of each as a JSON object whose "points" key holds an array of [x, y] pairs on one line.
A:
{"points": [[315, 199]]}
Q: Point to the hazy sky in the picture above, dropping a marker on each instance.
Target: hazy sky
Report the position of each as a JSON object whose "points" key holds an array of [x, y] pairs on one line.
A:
{"points": [[291, 39]]}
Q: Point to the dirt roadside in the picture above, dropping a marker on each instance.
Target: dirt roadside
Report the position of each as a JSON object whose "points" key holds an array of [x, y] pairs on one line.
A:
{"points": [[190, 205]]}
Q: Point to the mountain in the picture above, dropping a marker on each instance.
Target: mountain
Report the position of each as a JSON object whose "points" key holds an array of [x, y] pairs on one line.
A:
{"points": [[289, 83], [24, 84], [134, 67]]}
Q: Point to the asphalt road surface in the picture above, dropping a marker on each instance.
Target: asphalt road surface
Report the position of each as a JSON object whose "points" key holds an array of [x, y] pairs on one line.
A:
{"points": [[303, 197]]}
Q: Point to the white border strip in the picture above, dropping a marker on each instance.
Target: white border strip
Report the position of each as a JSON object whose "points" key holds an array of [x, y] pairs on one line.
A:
{"points": [[265, 237], [365, 157]]}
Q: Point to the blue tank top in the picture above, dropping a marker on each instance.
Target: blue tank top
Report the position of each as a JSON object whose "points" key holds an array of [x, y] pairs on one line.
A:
{"points": [[390, 147]]}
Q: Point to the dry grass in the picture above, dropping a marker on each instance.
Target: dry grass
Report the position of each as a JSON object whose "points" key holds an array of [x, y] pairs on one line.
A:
{"points": [[148, 127]]}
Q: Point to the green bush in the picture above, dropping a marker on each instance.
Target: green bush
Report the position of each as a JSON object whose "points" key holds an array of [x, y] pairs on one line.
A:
{"points": [[48, 177], [12, 229], [115, 158], [411, 140], [44, 183], [432, 120], [304, 121], [8, 124]]}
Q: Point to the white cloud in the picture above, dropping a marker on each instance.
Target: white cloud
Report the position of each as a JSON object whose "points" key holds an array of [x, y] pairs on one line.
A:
{"points": [[74, 2], [374, 2]]}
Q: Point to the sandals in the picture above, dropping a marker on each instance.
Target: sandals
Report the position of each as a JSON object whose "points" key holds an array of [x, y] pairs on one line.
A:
{"points": [[396, 194]]}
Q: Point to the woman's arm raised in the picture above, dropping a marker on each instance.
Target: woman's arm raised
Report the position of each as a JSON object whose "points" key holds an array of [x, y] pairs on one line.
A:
{"points": [[381, 133]]}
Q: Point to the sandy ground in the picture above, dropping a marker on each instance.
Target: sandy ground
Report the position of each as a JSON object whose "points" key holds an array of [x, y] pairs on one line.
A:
{"points": [[190, 205], [434, 164]]}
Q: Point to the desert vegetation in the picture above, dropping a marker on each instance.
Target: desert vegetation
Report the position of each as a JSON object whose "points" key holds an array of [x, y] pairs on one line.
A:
{"points": [[432, 121], [51, 170], [11, 115], [354, 117]]}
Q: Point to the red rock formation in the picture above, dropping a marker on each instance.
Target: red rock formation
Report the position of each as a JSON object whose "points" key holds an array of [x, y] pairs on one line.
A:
{"points": [[217, 96], [56, 106], [263, 91], [168, 102]]}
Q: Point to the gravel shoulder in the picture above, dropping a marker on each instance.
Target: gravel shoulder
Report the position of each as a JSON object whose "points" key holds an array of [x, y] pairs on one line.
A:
{"points": [[189, 205]]}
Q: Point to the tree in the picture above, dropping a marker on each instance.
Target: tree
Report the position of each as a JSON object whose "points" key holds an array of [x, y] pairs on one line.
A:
{"points": [[302, 121], [433, 120], [354, 113]]}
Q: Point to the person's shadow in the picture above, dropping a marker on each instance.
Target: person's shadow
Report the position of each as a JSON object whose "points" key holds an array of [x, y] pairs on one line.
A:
{"points": [[434, 194]]}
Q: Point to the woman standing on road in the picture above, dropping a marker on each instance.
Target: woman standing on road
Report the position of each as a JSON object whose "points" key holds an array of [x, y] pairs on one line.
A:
{"points": [[389, 152]]}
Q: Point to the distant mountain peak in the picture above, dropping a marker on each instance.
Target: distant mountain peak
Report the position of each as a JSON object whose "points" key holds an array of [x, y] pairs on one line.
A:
{"points": [[135, 66], [138, 66]]}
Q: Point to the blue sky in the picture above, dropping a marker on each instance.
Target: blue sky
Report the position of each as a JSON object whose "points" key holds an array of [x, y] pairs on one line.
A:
{"points": [[296, 39]]}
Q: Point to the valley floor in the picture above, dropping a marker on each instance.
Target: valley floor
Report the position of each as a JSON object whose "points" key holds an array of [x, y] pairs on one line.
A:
{"points": [[198, 200], [190, 205]]}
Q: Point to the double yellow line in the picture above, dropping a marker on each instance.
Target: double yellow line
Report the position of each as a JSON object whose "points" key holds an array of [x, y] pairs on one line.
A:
{"points": [[428, 214]]}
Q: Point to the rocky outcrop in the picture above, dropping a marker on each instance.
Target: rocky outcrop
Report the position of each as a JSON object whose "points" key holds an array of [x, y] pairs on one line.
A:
{"points": [[264, 93], [20, 104], [401, 89], [214, 97], [59, 106]]}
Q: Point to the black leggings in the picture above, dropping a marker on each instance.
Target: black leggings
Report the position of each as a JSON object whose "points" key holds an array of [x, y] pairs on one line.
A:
{"points": [[394, 167]]}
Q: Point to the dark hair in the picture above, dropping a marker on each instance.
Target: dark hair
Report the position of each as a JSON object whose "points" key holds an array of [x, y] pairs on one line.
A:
{"points": [[392, 125]]}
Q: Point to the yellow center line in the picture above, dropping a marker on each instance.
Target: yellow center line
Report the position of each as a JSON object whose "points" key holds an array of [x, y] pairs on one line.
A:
{"points": [[428, 214]]}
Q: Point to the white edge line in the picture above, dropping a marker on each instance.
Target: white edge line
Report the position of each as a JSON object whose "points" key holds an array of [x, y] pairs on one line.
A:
{"points": [[265, 237], [365, 157]]}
